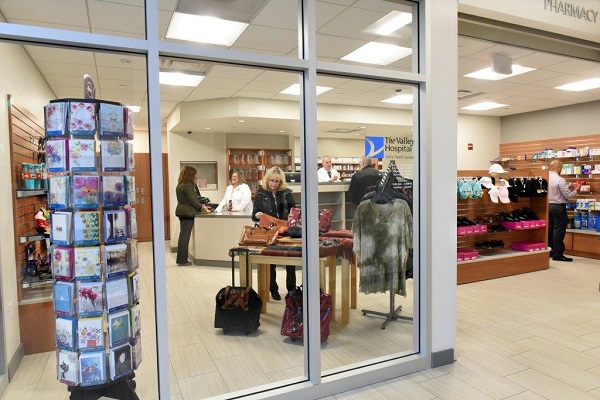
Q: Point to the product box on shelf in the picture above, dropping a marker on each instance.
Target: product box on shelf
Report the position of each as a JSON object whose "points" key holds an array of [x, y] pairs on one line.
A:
{"points": [[528, 246]]}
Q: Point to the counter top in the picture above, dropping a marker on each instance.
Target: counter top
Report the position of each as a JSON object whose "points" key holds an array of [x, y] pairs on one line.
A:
{"points": [[224, 214]]}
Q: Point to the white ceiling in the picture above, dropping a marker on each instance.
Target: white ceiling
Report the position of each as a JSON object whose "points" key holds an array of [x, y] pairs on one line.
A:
{"points": [[340, 25]]}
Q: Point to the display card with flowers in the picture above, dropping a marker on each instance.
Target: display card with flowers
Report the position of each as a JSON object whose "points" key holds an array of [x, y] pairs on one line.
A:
{"points": [[62, 262], [82, 118], [112, 121], [113, 155], [90, 298], [59, 192], [85, 191], [86, 227], [65, 330], [88, 263], [56, 119], [113, 191], [56, 155], [82, 155], [90, 333]]}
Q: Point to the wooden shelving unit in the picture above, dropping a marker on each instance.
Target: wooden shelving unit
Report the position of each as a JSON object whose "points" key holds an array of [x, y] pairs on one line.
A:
{"points": [[253, 163]]}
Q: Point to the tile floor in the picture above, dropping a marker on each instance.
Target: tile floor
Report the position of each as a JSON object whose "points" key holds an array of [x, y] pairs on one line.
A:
{"points": [[528, 337]]}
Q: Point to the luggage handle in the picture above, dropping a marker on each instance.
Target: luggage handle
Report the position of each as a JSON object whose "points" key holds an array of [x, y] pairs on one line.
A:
{"points": [[233, 252]]}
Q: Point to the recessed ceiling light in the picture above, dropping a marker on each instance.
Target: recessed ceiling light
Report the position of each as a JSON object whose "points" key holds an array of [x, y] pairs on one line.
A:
{"points": [[241, 120], [125, 60], [390, 23], [378, 53], [202, 29], [484, 106], [207, 129], [490, 75], [180, 79], [399, 99], [362, 127], [295, 89], [134, 108], [281, 131], [580, 86]]}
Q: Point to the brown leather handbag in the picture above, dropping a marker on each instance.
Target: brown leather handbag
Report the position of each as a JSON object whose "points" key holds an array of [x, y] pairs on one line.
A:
{"points": [[257, 236]]}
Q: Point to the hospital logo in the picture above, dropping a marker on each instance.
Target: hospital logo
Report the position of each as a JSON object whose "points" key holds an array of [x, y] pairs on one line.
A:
{"points": [[374, 146]]}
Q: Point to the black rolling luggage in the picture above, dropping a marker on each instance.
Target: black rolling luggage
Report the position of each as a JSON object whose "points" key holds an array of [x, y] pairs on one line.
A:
{"points": [[238, 307]]}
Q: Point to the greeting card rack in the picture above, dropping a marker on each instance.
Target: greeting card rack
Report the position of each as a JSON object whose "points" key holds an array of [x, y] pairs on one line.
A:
{"points": [[96, 286]]}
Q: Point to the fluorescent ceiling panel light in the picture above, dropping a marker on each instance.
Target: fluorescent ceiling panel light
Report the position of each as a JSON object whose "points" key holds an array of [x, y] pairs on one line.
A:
{"points": [[295, 89], [484, 106], [580, 86], [399, 99], [197, 28], [390, 23], [135, 109], [179, 79], [378, 53], [490, 75]]}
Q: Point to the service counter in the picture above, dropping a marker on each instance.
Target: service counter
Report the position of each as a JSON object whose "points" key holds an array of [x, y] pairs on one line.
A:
{"points": [[215, 233]]}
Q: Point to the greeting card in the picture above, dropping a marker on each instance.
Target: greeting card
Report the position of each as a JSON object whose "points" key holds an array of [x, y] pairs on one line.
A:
{"points": [[59, 193], [56, 155], [128, 113], [113, 191], [90, 333], [92, 368], [63, 298], [117, 294], [85, 191], [67, 364], [112, 122], [130, 185], [61, 227], [88, 264], [82, 155], [120, 361], [133, 257], [86, 227], [132, 229], [136, 351], [82, 119], [133, 279], [129, 158], [115, 260], [115, 226], [55, 118], [65, 332], [113, 155], [90, 299], [118, 328], [62, 263], [135, 318]]}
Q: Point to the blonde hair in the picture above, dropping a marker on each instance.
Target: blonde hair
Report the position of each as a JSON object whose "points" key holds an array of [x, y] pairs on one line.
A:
{"points": [[274, 172], [187, 175]]}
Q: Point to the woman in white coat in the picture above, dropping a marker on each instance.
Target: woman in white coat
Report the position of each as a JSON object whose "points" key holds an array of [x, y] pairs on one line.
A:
{"points": [[237, 194]]}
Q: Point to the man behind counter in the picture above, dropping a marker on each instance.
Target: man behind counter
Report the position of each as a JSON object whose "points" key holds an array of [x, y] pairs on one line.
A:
{"points": [[327, 173], [368, 176]]}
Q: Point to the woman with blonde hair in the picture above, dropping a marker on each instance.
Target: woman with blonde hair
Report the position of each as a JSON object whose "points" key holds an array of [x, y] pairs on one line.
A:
{"points": [[275, 199], [187, 206]]}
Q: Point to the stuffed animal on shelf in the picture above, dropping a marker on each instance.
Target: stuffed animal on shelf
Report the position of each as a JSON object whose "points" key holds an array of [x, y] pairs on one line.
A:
{"points": [[42, 221]]}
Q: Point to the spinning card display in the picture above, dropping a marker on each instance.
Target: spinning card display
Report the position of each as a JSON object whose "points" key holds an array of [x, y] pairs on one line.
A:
{"points": [[88, 264], [82, 119], [90, 299], [67, 364], [115, 226], [59, 192], [115, 260], [82, 155], [86, 227]]}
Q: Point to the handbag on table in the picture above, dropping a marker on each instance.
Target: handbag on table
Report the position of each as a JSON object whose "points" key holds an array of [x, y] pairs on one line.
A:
{"points": [[325, 216], [257, 236], [267, 221]]}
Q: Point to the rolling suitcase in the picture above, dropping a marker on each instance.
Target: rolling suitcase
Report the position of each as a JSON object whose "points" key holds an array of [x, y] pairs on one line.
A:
{"points": [[237, 307], [292, 324]]}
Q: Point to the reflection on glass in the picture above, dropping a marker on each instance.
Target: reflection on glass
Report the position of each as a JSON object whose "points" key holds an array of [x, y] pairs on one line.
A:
{"points": [[259, 26], [365, 135], [377, 33]]}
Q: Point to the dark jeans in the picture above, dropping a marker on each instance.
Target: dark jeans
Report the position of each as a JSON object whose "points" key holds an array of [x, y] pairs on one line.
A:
{"points": [[290, 279], [183, 244], [557, 228]]}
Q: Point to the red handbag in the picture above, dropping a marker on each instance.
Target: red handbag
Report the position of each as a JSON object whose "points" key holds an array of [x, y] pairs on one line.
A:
{"points": [[325, 216], [292, 324]]}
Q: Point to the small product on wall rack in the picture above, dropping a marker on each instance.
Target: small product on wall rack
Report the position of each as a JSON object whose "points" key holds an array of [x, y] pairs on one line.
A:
{"points": [[94, 248]]}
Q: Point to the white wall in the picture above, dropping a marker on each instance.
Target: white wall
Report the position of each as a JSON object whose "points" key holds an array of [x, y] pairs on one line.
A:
{"points": [[21, 79], [576, 120], [484, 133], [141, 142]]}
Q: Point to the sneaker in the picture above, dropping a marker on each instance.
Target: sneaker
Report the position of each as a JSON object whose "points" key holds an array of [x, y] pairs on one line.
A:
{"points": [[276, 296]]}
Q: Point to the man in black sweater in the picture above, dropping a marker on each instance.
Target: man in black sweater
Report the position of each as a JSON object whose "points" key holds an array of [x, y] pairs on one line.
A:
{"points": [[368, 176]]}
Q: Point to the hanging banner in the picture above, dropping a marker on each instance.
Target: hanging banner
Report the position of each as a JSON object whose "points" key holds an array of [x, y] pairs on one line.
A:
{"points": [[89, 87]]}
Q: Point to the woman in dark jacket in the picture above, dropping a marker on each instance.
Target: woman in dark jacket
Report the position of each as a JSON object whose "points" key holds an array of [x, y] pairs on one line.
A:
{"points": [[275, 199], [187, 206]]}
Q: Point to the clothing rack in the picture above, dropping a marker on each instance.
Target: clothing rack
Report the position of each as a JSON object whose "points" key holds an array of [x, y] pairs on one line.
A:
{"points": [[394, 313]]}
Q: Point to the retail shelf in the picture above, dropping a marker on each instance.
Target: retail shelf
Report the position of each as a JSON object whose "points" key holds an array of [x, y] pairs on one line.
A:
{"points": [[32, 238], [34, 281], [584, 231], [40, 294], [496, 254], [30, 193]]}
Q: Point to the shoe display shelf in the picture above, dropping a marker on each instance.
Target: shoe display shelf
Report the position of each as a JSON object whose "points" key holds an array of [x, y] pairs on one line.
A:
{"points": [[493, 238]]}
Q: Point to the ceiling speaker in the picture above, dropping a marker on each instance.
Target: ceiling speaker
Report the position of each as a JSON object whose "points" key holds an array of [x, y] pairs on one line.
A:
{"points": [[501, 64]]}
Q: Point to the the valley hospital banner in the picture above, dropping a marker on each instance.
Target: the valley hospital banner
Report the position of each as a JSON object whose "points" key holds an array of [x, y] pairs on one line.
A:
{"points": [[397, 148]]}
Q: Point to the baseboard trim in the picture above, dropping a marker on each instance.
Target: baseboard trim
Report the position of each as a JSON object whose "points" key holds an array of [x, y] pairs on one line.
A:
{"points": [[15, 361], [443, 357]]}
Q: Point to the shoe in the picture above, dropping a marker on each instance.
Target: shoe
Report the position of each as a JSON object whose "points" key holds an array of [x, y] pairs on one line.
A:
{"points": [[185, 264], [562, 258], [276, 296]]}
